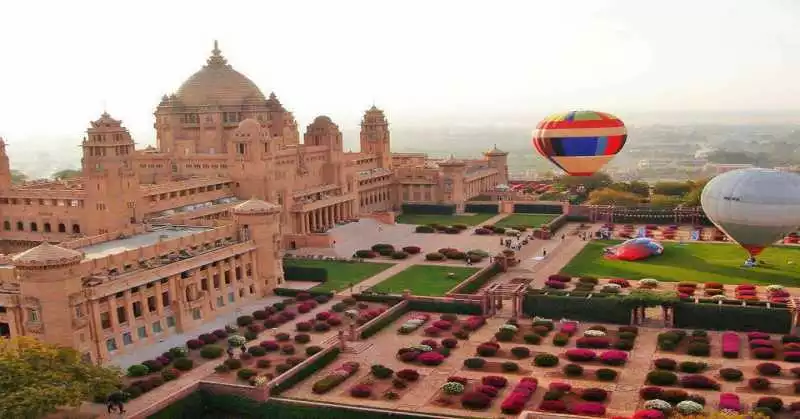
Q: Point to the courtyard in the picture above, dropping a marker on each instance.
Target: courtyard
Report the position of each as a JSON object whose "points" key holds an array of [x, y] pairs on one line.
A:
{"points": [[425, 280], [692, 262]]}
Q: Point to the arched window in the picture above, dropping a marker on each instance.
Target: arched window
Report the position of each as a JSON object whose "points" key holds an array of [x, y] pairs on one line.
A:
{"points": [[47, 228], [34, 227], [20, 226], [76, 229], [62, 228], [7, 225]]}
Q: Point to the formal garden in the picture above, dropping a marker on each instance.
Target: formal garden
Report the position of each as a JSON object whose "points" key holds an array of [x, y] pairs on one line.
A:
{"points": [[692, 262]]}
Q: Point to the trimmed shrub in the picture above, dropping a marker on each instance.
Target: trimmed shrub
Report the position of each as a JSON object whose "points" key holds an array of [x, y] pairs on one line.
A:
{"points": [[211, 351], [474, 363], [573, 370], [730, 374], [545, 360], [662, 378], [183, 364], [605, 374]]}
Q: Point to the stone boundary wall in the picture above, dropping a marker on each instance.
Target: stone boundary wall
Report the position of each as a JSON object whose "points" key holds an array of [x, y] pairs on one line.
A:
{"points": [[477, 276], [160, 404], [299, 367], [401, 307], [557, 223]]}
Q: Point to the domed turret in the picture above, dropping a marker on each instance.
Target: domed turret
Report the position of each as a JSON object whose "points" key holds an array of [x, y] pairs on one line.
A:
{"points": [[47, 254], [217, 83], [255, 206]]}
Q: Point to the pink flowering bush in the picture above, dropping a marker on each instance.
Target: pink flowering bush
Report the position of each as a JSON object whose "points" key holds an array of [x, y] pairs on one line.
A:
{"points": [[593, 342], [764, 353], [569, 328], [580, 355], [699, 381], [648, 414], [496, 381], [761, 343], [557, 406], [588, 409], [614, 357], [555, 285], [430, 358], [621, 282], [793, 356], [757, 335], [473, 323], [442, 324], [730, 345], [730, 401], [559, 386]]}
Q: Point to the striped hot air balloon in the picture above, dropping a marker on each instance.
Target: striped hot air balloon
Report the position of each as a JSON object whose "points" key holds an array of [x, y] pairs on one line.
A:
{"points": [[580, 142]]}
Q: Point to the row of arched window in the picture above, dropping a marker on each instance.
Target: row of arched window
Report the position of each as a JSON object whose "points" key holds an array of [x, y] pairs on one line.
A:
{"points": [[46, 227]]}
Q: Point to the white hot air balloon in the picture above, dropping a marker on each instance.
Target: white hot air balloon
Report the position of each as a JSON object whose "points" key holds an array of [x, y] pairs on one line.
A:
{"points": [[754, 207]]}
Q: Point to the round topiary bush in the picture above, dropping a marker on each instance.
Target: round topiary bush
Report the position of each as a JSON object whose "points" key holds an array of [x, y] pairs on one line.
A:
{"points": [[545, 360], [692, 367], [666, 364], [769, 369], [759, 383], [434, 256], [246, 373], [662, 378], [520, 352], [509, 366], [233, 363], [366, 254], [211, 351], [730, 374], [138, 370], [474, 363], [183, 364], [698, 349], [399, 255], [532, 339], [573, 370], [475, 400], [605, 374]]}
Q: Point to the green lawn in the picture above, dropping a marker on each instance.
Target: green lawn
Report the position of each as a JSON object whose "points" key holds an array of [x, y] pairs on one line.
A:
{"points": [[527, 220], [424, 219], [341, 274], [696, 262], [425, 280]]}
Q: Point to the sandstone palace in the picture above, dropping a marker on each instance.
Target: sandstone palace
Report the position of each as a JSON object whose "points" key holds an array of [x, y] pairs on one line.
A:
{"points": [[152, 242]]}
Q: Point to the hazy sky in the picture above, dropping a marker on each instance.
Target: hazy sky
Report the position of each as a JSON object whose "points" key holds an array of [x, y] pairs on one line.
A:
{"points": [[63, 61]]}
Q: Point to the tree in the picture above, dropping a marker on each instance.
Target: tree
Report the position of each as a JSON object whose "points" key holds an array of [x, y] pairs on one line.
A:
{"points": [[672, 188], [66, 174], [18, 177], [636, 187], [665, 201], [595, 181], [37, 378], [609, 196]]}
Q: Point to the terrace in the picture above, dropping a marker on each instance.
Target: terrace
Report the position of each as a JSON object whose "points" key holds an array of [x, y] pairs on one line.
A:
{"points": [[124, 244]]}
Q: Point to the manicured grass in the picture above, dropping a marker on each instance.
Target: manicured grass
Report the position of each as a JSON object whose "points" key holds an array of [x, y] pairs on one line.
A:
{"points": [[527, 220], [425, 280], [341, 274], [695, 262], [423, 219]]}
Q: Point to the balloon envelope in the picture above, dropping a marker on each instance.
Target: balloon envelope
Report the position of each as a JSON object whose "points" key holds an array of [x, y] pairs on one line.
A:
{"points": [[754, 207], [580, 142], [635, 249]]}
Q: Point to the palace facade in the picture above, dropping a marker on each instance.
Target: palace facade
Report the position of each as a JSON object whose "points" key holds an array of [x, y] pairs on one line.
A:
{"points": [[151, 242]]}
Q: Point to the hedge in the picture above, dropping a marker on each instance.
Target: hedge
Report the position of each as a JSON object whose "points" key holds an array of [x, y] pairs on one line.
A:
{"points": [[378, 298], [482, 208], [205, 404], [455, 307], [557, 223], [538, 209], [434, 209], [306, 371], [600, 310], [479, 281], [290, 292], [380, 324], [304, 273], [713, 316]]}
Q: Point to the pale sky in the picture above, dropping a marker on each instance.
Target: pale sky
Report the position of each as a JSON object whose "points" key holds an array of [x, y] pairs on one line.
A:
{"points": [[63, 62]]}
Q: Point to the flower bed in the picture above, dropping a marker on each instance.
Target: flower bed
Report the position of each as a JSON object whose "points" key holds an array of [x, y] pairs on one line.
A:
{"points": [[470, 394], [336, 377], [563, 398], [384, 384], [678, 341], [520, 395], [446, 326]]}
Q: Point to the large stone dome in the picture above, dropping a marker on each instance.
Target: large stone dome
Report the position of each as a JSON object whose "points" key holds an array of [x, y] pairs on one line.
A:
{"points": [[217, 83]]}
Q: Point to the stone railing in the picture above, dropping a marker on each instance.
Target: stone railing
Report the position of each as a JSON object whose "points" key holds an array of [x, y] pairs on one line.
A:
{"points": [[358, 411]]}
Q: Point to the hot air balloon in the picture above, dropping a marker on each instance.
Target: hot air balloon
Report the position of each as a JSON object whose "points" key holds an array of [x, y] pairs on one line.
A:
{"points": [[754, 207], [580, 142]]}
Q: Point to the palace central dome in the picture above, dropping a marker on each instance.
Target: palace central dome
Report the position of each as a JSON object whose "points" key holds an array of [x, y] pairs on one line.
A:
{"points": [[217, 83]]}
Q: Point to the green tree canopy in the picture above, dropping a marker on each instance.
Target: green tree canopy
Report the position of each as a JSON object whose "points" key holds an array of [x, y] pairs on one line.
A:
{"points": [[672, 188], [18, 177], [66, 174], [635, 187], [596, 181], [37, 378], [609, 196]]}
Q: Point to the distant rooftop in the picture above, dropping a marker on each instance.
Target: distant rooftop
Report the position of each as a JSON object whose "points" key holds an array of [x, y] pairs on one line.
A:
{"points": [[137, 241]]}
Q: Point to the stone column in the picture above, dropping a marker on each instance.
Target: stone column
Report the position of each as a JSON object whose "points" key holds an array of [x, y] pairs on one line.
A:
{"points": [[342, 340], [112, 314]]}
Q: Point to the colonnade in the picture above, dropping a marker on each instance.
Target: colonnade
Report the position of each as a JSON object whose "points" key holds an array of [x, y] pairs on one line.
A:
{"points": [[325, 217]]}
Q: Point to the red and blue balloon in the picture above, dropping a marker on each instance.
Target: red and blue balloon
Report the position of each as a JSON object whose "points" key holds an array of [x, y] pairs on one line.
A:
{"points": [[580, 142]]}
